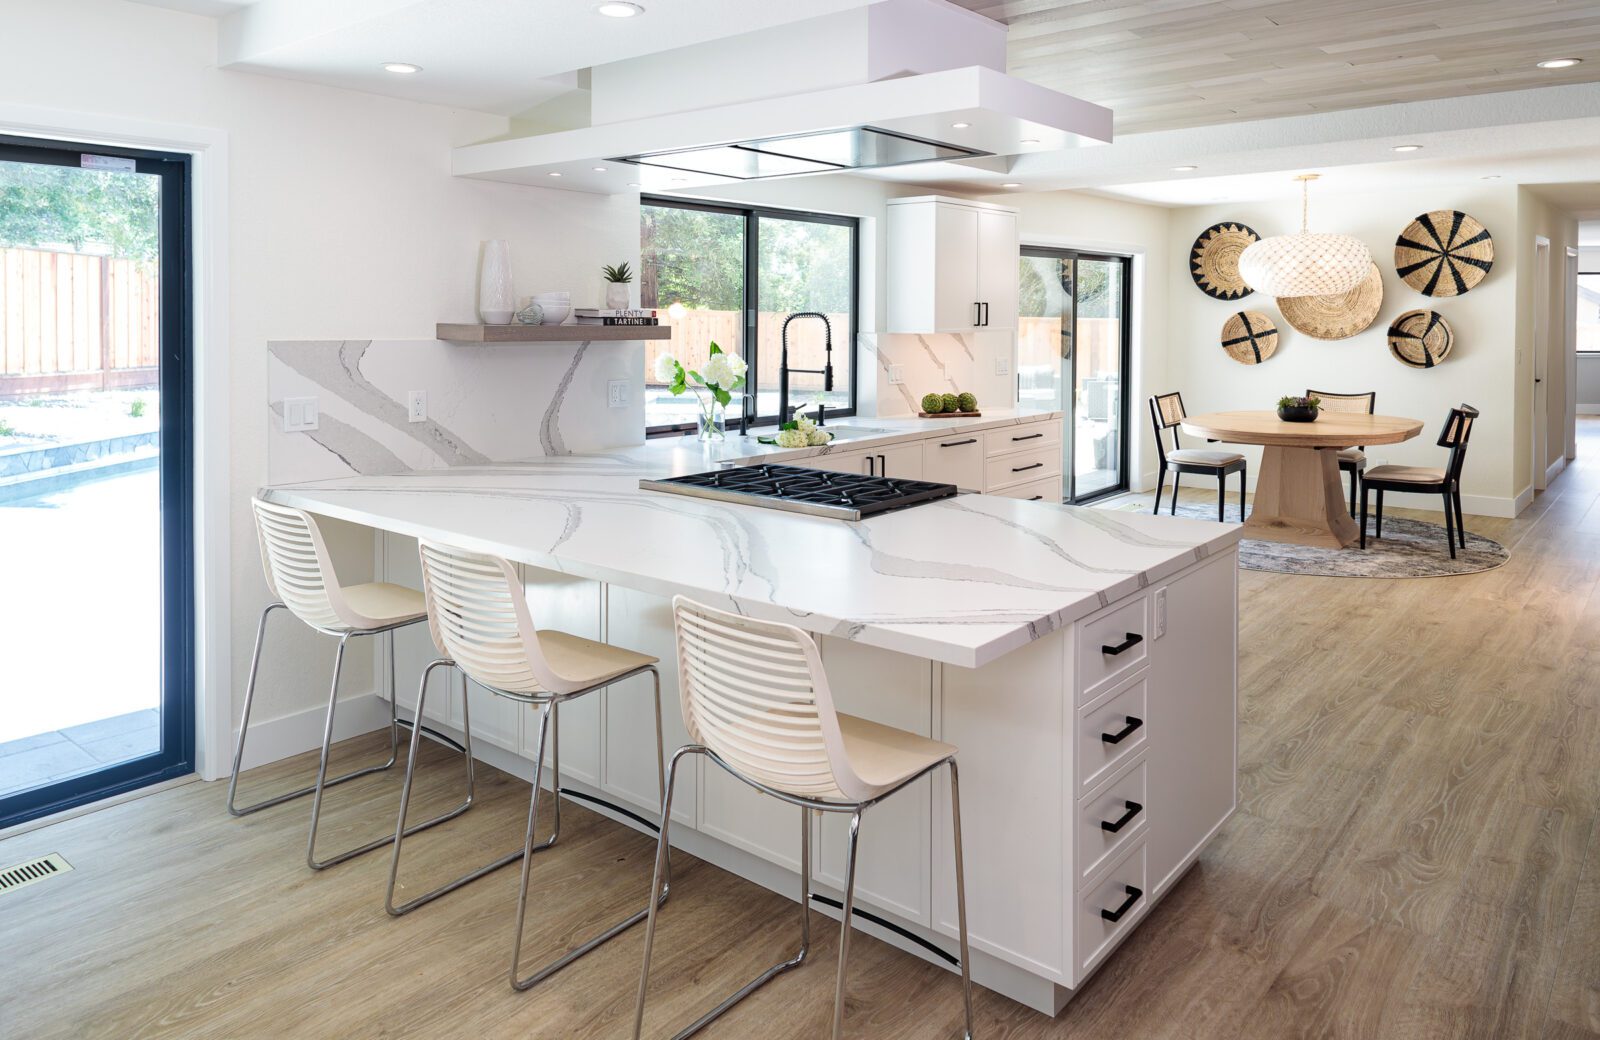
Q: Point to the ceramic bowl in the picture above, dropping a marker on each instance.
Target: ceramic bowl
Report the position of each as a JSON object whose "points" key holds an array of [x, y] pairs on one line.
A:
{"points": [[555, 311]]}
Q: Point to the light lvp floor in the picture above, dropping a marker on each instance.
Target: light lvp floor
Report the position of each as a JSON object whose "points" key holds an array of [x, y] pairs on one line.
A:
{"points": [[1415, 856]]}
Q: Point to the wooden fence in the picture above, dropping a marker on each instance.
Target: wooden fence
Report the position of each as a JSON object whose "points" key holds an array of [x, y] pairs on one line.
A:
{"points": [[693, 334], [70, 321]]}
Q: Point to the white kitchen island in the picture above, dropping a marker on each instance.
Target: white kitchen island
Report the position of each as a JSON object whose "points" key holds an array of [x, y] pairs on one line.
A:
{"points": [[1084, 661]]}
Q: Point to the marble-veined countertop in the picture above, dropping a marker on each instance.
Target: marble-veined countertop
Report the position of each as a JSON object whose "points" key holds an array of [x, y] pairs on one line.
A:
{"points": [[961, 581]]}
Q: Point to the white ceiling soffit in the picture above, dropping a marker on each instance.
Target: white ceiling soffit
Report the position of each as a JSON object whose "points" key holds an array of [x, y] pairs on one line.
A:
{"points": [[1000, 113], [1512, 129], [498, 56]]}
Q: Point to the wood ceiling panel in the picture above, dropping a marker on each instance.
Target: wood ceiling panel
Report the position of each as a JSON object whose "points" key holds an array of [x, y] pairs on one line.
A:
{"points": [[1164, 64]]}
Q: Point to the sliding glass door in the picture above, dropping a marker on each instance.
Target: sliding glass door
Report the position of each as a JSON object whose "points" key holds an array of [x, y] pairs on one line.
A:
{"points": [[96, 616], [1073, 354]]}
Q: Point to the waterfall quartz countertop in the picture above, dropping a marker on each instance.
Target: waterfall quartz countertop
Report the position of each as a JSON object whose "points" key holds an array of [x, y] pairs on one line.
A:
{"points": [[961, 581]]}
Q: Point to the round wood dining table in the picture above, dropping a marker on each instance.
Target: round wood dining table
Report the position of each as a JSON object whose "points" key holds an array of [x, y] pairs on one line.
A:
{"points": [[1298, 494]]}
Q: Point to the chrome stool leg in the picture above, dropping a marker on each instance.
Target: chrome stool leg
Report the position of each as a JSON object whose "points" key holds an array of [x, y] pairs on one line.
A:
{"points": [[961, 897], [847, 911], [322, 772], [756, 983], [660, 885], [244, 727]]}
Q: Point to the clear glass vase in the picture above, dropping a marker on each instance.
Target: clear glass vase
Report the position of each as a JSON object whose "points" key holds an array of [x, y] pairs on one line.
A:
{"points": [[713, 422]]}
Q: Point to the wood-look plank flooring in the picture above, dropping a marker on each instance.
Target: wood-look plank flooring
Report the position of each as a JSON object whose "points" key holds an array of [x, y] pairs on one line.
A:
{"points": [[1416, 856]]}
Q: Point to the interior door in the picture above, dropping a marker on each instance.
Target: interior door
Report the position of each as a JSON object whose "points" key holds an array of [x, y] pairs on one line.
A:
{"points": [[96, 623]]}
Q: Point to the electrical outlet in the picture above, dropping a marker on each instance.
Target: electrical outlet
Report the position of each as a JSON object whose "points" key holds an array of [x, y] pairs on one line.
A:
{"points": [[299, 414], [617, 393], [1002, 364], [417, 406], [897, 374], [1161, 613]]}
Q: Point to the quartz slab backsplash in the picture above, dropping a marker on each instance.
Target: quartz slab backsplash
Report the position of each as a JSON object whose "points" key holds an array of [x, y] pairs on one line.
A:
{"points": [[485, 403], [949, 362]]}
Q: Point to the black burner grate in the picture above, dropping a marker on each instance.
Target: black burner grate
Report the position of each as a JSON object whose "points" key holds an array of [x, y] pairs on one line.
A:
{"points": [[847, 495]]}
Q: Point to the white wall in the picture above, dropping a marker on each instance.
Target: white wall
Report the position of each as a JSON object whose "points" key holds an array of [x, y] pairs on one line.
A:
{"points": [[1479, 371], [345, 224]]}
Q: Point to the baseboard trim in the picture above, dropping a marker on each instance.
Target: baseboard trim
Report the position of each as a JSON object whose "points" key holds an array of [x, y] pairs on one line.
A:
{"points": [[1589, 409], [289, 735], [1553, 470]]}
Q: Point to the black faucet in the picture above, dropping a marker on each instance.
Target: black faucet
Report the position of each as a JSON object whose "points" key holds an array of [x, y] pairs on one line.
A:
{"points": [[826, 371]]}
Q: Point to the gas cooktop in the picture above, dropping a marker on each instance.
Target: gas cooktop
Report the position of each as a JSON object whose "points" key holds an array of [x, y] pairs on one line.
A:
{"points": [[845, 496]]}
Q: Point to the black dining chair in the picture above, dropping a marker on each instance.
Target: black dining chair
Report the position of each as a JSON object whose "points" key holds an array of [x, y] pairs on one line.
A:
{"points": [[1166, 413], [1351, 460], [1422, 480]]}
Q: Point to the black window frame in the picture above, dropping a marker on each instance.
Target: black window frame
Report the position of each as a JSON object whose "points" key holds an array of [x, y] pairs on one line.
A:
{"points": [[1070, 377], [176, 757], [752, 216], [1587, 353]]}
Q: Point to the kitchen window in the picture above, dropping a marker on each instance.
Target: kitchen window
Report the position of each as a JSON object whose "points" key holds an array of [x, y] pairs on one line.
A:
{"points": [[731, 275], [1589, 312]]}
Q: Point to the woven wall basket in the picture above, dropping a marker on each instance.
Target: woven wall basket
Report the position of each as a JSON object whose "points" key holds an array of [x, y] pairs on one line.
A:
{"points": [[1421, 339], [1249, 337], [1443, 253], [1339, 316], [1214, 260]]}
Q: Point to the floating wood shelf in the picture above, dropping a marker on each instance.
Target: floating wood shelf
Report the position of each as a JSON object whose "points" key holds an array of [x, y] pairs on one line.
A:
{"points": [[549, 333]]}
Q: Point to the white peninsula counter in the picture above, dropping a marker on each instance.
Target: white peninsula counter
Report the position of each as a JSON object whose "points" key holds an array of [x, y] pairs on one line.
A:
{"points": [[1083, 660]]}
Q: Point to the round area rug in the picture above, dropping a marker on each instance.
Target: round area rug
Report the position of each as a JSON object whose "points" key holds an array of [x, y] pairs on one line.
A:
{"points": [[1408, 549]]}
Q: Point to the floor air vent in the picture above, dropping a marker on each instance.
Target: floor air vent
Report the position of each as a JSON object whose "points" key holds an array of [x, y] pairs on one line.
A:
{"points": [[21, 875]]}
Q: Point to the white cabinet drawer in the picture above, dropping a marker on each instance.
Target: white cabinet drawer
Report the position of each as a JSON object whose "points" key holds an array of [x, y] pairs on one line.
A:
{"points": [[1023, 467], [1110, 908], [1110, 644], [1046, 490], [1109, 820], [836, 461], [1019, 438], [954, 459], [1111, 733]]}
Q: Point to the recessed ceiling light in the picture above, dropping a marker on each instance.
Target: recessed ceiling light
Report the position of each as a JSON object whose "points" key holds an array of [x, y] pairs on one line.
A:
{"points": [[401, 68], [618, 9], [599, 169], [634, 184], [1408, 148], [1011, 184], [554, 173], [679, 180], [959, 126], [1030, 140], [1560, 63], [1491, 176], [1184, 169]]}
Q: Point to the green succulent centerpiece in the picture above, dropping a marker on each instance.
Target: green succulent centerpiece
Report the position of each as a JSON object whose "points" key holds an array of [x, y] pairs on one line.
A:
{"points": [[617, 278], [1299, 409]]}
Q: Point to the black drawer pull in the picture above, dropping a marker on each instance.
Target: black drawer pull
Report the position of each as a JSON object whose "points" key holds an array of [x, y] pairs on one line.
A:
{"points": [[1036, 498], [957, 444], [1024, 469], [1134, 895], [1134, 809], [1028, 437], [1124, 733], [1133, 640]]}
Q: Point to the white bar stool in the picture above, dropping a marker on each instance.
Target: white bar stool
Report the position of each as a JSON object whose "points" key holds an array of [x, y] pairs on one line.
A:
{"points": [[478, 614], [301, 578], [756, 702]]}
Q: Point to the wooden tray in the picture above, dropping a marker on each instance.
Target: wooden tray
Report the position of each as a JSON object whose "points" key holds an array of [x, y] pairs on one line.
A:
{"points": [[948, 415]]}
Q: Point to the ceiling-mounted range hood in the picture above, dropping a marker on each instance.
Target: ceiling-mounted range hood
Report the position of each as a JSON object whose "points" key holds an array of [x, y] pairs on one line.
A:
{"points": [[898, 83]]}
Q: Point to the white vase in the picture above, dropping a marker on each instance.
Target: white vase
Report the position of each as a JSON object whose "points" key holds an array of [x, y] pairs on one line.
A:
{"points": [[617, 295], [497, 300]]}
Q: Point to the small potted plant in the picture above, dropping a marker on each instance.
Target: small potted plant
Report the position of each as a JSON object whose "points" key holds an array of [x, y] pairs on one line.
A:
{"points": [[617, 279], [1299, 409]]}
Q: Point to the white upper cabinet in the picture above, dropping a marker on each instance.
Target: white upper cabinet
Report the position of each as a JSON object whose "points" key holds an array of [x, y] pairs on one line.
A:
{"points": [[952, 266]]}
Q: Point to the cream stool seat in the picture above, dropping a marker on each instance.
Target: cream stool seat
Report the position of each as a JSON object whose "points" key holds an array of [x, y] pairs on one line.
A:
{"points": [[1406, 474], [301, 578], [756, 702], [478, 614]]}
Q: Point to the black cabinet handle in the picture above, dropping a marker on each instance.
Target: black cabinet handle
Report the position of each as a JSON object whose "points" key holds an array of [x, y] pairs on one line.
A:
{"points": [[1024, 469], [986, 314], [957, 444], [1035, 498], [1124, 733], [1134, 895], [1028, 437], [977, 314], [883, 466], [1134, 809], [1133, 640], [869, 466]]}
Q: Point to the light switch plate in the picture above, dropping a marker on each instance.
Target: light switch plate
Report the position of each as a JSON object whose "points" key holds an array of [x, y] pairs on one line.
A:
{"points": [[897, 374], [299, 414], [1161, 613], [1002, 364], [617, 393], [417, 406]]}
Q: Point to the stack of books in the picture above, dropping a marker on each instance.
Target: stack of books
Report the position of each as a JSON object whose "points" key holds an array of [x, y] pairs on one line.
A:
{"points": [[603, 316]]}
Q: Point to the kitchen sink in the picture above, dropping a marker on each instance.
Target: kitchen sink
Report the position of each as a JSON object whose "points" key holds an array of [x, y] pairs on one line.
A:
{"points": [[845, 432]]}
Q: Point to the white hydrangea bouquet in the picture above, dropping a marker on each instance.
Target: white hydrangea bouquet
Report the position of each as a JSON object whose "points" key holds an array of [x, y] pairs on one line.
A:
{"points": [[802, 433], [719, 378]]}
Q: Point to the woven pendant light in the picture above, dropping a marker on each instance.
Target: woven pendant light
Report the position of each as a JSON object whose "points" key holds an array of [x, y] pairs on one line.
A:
{"points": [[1306, 263]]}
